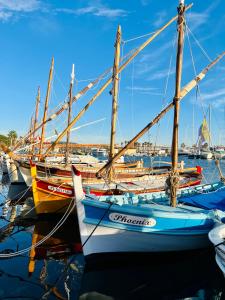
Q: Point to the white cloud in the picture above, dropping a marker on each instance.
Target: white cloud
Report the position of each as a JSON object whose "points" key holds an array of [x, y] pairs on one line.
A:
{"points": [[160, 18], [85, 10], [19, 5], [141, 88], [101, 11], [144, 90], [110, 13], [215, 98], [4, 16], [161, 74], [197, 19], [8, 8], [214, 94], [150, 61], [154, 55], [218, 103], [145, 2], [98, 10]]}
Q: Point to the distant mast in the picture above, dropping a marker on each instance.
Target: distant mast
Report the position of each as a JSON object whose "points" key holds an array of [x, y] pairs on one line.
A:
{"points": [[46, 106], [174, 179], [115, 89], [31, 128], [69, 115], [36, 118]]}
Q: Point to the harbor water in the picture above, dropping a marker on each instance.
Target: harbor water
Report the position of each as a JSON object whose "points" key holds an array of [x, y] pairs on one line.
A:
{"points": [[56, 269]]}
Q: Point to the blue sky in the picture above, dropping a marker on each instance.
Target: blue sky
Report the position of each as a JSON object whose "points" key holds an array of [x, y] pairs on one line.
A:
{"points": [[83, 33]]}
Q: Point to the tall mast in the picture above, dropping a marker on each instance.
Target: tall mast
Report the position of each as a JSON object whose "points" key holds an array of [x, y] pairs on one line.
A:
{"points": [[210, 112], [180, 27], [115, 78], [31, 126], [193, 125], [185, 90], [46, 106], [121, 68], [69, 115], [36, 116]]}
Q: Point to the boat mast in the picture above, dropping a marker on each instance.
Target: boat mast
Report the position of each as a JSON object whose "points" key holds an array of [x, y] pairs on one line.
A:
{"points": [[193, 125], [69, 115], [210, 140], [46, 106], [31, 128], [36, 117], [121, 68], [115, 89], [185, 90], [174, 180]]}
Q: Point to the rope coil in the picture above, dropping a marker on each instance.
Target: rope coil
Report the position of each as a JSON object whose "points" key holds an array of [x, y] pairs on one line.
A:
{"points": [[172, 184]]}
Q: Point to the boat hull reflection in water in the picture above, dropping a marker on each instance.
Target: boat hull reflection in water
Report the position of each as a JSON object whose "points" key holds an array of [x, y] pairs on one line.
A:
{"points": [[192, 275], [61, 244]]}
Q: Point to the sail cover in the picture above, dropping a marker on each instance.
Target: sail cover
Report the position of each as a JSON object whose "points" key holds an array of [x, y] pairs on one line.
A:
{"points": [[211, 200]]}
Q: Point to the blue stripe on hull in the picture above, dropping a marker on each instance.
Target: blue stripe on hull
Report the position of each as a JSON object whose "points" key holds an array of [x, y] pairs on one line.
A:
{"points": [[174, 222]]}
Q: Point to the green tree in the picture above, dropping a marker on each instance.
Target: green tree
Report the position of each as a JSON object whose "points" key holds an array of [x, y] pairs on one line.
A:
{"points": [[12, 135], [4, 139]]}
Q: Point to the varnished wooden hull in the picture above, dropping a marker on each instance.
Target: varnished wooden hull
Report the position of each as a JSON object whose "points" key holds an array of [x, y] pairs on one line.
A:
{"points": [[50, 197], [128, 171]]}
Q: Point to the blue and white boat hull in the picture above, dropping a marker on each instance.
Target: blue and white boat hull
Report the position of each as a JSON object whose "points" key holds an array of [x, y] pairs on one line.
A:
{"points": [[163, 233], [109, 227]]}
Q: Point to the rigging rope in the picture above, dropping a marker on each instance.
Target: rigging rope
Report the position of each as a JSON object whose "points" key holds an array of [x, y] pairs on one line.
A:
{"points": [[198, 43], [138, 37], [198, 93]]}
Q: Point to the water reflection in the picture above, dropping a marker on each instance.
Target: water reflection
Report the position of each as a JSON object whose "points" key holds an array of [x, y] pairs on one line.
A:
{"points": [[188, 275], [63, 243], [55, 269], [52, 270]]}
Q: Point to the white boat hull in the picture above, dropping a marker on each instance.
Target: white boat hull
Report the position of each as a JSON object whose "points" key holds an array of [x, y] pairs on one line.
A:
{"points": [[108, 240], [217, 237], [102, 239], [207, 155], [25, 172]]}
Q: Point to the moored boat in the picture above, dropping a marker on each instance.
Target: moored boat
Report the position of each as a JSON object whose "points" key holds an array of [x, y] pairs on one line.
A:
{"points": [[53, 195], [217, 237], [107, 225]]}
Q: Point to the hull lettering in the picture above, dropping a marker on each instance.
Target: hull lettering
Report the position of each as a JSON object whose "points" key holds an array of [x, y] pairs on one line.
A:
{"points": [[132, 220]]}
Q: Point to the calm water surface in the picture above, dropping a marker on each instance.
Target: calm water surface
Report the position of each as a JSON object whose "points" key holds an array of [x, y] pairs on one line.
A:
{"points": [[57, 269]]}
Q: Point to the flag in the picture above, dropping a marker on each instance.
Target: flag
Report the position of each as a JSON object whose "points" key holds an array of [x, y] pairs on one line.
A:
{"points": [[203, 133]]}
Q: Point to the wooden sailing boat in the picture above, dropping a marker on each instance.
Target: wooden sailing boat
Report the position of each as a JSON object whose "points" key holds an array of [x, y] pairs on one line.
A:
{"points": [[144, 226], [121, 180], [24, 167]]}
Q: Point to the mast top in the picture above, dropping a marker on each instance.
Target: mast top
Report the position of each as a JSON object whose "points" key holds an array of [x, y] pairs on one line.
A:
{"points": [[72, 74]]}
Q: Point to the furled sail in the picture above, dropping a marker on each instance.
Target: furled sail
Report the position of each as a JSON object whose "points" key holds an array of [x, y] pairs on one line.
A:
{"points": [[203, 134]]}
